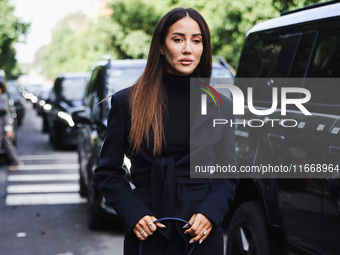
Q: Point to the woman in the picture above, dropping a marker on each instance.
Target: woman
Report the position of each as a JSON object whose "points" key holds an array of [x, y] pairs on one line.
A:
{"points": [[150, 124]]}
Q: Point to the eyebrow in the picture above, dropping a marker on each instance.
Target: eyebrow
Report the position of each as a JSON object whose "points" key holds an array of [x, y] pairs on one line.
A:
{"points": [[181, 34]]}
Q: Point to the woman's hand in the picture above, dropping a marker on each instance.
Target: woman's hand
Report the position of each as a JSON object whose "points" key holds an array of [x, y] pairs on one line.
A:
{"points": [[145, 227], [200, 228]]}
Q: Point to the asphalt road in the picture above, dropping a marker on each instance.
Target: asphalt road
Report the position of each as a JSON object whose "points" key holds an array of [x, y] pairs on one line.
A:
{"points": [[41, 212]]}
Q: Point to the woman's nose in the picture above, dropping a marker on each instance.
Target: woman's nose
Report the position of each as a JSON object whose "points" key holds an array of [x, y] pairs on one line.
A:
{"points": [[187, 48]]}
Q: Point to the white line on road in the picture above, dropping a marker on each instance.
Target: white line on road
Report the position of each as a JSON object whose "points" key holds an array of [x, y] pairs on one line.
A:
{"points": [[44, 199], [48, 156], [49, 167], [43, 188], [43, 177]]}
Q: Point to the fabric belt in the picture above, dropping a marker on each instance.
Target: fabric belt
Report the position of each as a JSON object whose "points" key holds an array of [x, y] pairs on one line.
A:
{"points": [[168, 196]]}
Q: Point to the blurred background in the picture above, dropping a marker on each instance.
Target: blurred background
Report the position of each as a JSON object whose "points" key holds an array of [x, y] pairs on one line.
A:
{"points": [[46, 37]]}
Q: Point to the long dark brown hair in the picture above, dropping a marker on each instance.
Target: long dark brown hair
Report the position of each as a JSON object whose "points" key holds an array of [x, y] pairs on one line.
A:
{"points": [[148, 97]]}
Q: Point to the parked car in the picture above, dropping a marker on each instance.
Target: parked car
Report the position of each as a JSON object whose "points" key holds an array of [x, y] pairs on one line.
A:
{"points": [[43, 107], [18, 100], [221, 69], [300, 215], [65, 96], [42, 97], [106, 77]]}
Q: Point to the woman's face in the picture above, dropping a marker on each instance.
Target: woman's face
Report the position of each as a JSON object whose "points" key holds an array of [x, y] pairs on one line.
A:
{"points": [[183, 47]]}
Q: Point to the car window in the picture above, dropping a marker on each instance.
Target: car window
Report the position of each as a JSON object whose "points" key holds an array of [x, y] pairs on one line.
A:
{"points": [[326, 59], [120, 78], [303, 55], [73, 88], [324, 67], [268, 55], [219, 71], [91, 88]]}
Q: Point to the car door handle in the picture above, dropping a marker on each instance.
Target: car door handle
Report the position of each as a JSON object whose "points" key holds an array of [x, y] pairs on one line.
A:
{"points": [[333, 150]]}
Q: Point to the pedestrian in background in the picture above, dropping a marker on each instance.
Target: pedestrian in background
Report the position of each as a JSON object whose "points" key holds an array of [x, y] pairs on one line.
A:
{"points": [[6, 131], [150, 124]]}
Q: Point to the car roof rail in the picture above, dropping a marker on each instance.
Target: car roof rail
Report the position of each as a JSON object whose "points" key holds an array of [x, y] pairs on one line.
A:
{"points": [[308, 7]]}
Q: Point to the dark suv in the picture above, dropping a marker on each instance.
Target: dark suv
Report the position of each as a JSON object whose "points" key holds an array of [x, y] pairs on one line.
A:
{"points": [[290, 214], [106, 77], [65, 96]]}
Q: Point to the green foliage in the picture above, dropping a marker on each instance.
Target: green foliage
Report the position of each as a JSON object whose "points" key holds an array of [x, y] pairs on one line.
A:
{"points": [[74, 48], [10, 30], [127, 33], [228, 21], [292, 4]]}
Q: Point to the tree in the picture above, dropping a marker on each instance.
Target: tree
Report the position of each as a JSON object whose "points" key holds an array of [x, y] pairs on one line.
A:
{"points": [[228, 20], [10, 31], [77, 42], [128, 31]]}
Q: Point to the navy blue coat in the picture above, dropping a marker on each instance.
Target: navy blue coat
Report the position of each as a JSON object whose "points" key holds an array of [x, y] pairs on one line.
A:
{"points": [[163, 186]]}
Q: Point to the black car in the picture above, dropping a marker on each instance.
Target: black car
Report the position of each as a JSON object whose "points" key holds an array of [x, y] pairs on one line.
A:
{"points": [[297, 212], [65, 96], [43, 107], [107, 77]]}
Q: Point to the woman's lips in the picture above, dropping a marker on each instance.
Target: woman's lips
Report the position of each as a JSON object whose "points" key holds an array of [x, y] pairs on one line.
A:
{"points": [[186, 61]]}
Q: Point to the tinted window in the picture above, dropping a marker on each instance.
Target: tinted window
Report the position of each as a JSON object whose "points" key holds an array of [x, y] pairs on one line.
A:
{"points": [[120, 78], [325, 65], [326, 58], [268, 55], [91, 93], [73, 88], [303, 55], [219, 71]]}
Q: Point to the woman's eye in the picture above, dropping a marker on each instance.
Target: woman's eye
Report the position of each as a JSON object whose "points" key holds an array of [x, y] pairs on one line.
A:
{"points": [[177, 39], [197, 41]]}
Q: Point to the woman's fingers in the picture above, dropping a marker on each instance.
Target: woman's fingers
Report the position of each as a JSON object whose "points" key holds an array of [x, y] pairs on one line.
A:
{"points": [[202, 235], [200, 228], [145, 227], [158, 224], [140, 233]]}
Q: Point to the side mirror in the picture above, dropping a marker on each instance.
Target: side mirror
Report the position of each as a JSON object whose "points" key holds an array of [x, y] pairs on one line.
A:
{"points": [[82, 116]]}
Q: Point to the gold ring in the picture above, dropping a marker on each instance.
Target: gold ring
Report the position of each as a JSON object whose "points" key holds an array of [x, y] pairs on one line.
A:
{"points": [[141, 233]]}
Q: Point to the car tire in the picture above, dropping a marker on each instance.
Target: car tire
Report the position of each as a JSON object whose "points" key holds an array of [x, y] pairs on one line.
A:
{"points": [[94, 218], [248, 232], [45, 128], [57, 142], [82, 186]]}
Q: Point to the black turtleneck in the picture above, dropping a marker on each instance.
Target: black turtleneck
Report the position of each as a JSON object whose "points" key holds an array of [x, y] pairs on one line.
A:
{"points": [[177, 118]]}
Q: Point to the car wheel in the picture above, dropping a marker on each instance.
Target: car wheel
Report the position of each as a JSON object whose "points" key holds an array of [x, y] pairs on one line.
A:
{"points": [[82, 186], [57, 141], [248, 234], [94, 199], [45, 128]]}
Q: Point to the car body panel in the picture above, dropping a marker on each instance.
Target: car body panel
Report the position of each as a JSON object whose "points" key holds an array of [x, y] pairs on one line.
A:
{"points": [[305, 209]]}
